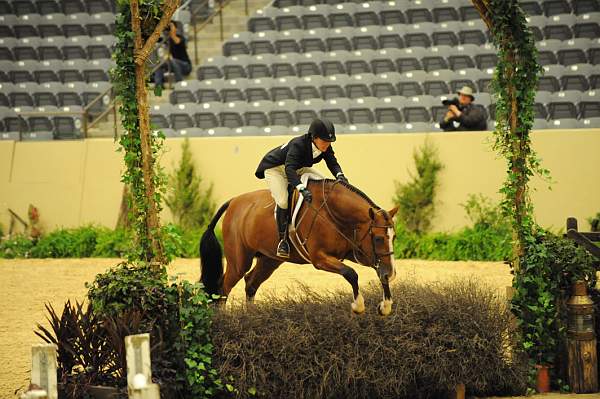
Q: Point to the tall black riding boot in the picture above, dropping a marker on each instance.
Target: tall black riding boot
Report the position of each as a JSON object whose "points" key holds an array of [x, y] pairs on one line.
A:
{"points": [[283, 248]]}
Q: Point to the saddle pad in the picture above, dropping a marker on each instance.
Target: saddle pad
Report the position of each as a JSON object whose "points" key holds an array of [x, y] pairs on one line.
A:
{"points": [[293, 233]]}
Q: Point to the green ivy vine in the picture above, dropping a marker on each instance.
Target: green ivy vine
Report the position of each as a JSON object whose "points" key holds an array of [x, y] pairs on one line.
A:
{"points": [[514, 86], [123, 79]]}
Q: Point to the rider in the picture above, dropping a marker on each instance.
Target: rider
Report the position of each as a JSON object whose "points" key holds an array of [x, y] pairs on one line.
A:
{"points": [[283, 165]]}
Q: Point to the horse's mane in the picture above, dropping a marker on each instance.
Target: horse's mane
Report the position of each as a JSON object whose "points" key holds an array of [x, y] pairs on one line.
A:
{"points": [[355, 190]]}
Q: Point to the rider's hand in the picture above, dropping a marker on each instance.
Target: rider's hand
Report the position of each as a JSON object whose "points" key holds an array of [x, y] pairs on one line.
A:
{"points": [[342, 178], [306, 194]]}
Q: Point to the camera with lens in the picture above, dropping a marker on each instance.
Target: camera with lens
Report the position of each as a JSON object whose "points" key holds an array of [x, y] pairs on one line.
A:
{"points": [[453, 101]]}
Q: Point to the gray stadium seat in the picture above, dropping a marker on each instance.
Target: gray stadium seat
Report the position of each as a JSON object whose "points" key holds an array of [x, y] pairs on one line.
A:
{"points": [[50, 25], [308, 87], [74, 24], [207, 116], [341, 15], [282, 113], [26, 26], [182, 115], [237, 45], [262, 20], [45, 7], [390, 14], [445, 33], [307, 111], [283, 88], [68, 126], [75, 47], [50, 48], [256, 113], [184, 92], [26, 49], [384, 85], [585, 6], [231, 114], [387, 110], [208, 90], [289, 41], [211, 68], [532, 7], [391, 36], [366, 38], [554, 7], [367, 14], [383, 61]]}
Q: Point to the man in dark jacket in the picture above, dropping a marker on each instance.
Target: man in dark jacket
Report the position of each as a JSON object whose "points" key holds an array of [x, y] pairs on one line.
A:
{"points": [[179, 62], [284, 165], [466, 116]]}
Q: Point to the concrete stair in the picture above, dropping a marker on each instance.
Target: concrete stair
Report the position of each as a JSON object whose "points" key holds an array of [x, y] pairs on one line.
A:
{"points": [[207, 43]]}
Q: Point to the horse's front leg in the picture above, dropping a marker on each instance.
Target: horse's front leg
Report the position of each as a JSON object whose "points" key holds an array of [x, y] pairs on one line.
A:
{"points": [[333, 265], [385, 307]]}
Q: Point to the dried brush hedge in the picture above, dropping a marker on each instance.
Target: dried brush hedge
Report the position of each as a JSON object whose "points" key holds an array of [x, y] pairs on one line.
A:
{"points": [[309, 345]]}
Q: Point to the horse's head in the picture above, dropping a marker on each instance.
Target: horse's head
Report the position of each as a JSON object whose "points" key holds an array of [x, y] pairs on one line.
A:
{"points": [[379, 243]]}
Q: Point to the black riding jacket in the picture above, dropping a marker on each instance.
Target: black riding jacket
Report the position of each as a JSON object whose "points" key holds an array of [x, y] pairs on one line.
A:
{"points": [[296, 154]]}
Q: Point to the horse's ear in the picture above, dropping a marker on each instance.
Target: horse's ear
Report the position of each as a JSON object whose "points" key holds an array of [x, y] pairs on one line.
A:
{"points": [[371, 213], [393, 212]]}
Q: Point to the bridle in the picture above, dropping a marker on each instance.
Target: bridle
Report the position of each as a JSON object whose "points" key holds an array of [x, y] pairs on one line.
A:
{"points": [[376, 258]]}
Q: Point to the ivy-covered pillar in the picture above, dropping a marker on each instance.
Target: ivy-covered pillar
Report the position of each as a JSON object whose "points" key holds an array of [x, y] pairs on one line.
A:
{"points": [[138, 27], [514, 87]]}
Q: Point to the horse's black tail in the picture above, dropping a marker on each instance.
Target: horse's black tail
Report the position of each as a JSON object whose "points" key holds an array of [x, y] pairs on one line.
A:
{"points": [[211, 256]]}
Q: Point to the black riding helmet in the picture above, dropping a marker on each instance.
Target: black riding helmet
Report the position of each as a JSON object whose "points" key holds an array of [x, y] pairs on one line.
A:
{"points": [[323, 129]]}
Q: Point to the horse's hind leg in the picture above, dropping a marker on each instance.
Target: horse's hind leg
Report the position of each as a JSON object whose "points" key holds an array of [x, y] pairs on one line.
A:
{"points": [[260, 272], [239, 262]]}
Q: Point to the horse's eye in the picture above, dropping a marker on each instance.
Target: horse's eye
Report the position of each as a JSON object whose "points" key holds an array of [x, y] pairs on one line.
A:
{"points": [[379, 240]]}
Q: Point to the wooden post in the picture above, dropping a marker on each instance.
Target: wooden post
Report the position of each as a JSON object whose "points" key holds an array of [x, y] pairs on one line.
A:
{"points": [[43, 369], [139, 370], [581, 343]]}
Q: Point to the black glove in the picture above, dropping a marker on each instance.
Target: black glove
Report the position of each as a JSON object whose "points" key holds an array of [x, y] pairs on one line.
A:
{"points": [[306, 194], [342, 178]]}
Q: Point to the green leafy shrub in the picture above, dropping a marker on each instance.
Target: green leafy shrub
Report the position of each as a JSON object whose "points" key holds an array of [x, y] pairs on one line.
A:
{"points": [[99, 242], [178, 317], [594, 222], [309, 345], [416, 198], [67, 243], [191, 206], [17, 246], [488, 239], [552, 265], [112, 243]]}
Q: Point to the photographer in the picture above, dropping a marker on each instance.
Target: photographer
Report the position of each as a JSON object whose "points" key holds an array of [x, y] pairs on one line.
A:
{"points": [[462, 114], [178, 62]]}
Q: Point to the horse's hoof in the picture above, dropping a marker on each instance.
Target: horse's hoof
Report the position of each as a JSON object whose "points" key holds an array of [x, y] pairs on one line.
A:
{"points": [[357, 310], [358, 306], [384, 308]]}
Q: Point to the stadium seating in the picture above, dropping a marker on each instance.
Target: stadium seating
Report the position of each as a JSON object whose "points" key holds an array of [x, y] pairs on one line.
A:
{"points": [[376, 66], [400, 59]]}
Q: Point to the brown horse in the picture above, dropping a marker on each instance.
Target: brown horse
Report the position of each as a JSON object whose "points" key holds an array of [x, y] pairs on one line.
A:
{"points": [[340, 223]]}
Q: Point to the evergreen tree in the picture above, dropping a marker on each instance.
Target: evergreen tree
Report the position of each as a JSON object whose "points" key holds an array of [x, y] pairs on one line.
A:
{"points": [[416, 198], [191, 206]]}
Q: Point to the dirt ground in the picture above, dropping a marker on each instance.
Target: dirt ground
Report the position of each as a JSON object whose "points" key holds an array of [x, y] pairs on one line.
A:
{"points": [[27, 284]]}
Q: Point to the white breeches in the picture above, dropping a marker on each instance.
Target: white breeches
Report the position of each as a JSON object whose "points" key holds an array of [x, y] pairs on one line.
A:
{"points": [[277, 183]]}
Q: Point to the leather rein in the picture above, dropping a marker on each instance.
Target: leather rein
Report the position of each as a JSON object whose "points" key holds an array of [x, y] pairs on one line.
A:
{"points": [[335, 222]]}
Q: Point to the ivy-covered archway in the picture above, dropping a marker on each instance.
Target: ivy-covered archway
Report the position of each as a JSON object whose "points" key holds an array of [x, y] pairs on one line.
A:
{"points": [[514, 86]]}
